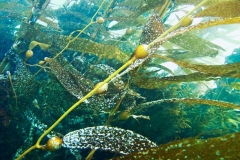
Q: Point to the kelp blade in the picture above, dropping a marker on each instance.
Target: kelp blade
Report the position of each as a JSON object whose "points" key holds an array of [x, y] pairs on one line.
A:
{"points": [[188, 41], [71, 79], [225, 147], [100, 50], [219, 10], [156, 82]]}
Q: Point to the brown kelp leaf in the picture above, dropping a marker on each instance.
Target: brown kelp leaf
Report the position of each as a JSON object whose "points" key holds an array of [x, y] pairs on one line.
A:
{"points": [[192, 148], [148, 5], [80, 45], [192, 101], [71, 79], [215, 2], [178, 2], [50, 23], [23, 82], [130, 3], [32, 45], [105, 71], [155, 82], [107, 138], [43, 46], [139, 21], [166, 69], [88, 46], [155, 63], [223, 9], [226, 70], [188, 42], [216, 22], [153, 29], [205, 24], [195, 2]]}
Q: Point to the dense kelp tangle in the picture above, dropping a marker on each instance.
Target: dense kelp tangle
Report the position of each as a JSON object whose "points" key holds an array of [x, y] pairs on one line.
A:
{"points": [[65, 61]]}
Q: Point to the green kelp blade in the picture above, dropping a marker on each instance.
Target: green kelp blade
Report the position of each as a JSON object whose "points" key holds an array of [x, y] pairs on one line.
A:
{"points": [[224, 147], [71, 80], [196, 46], [226, 9], [156, 82]]}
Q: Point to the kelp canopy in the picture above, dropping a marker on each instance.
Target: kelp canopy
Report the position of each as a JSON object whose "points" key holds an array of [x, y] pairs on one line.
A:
{"points": [[179, 100]]}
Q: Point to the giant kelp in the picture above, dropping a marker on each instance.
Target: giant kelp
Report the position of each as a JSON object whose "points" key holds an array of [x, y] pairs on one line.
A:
{"points": [[72, 61], [224, 147], [216, 10]]}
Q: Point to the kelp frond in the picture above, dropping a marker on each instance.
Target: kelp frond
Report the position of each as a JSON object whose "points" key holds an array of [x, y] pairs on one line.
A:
{"points": [[192, 148], [202, 25], [192, 101], [226, 70], [70, 78], [225, 9], [157, 82]]}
